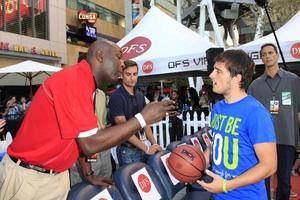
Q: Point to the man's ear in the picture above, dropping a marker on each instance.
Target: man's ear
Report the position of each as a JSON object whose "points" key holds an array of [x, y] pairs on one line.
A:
{"points": [[99, 56], [238, 78]]}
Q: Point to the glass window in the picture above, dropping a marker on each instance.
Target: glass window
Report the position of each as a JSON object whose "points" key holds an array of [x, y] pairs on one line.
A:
{"points": [[26, 17], [1, 15], [121, 21], [103, 13], [91, 6], [114, 18], [81, 5], [72, 4], [82, 2], [99, 10], [107, 15], [40, 15], [11, 16], [146, 3]]}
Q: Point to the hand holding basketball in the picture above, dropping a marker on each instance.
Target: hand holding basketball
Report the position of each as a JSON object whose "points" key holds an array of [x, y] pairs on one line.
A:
{"points": [[216, 186], [186, 163]]}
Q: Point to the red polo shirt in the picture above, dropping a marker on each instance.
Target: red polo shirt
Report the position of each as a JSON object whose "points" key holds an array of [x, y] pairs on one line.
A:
{"points": [[61, 109]]}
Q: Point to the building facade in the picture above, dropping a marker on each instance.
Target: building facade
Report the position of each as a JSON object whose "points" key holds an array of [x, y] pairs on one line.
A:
{"points": [[32, 30], [88, 20]]}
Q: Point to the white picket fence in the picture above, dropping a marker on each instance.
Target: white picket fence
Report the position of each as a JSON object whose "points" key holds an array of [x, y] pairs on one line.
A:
{"points": [[161, 129]]}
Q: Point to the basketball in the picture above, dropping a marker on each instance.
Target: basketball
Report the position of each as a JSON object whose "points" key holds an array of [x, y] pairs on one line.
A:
{"points": [[186, 163]]}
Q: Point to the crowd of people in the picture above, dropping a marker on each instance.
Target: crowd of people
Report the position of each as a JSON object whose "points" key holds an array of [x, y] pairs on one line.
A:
{"points": [[254, 126], [13, 109]]}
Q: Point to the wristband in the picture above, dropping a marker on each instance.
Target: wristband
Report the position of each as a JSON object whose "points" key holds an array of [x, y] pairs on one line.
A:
{"points": [[141, 120], [225, 186]]}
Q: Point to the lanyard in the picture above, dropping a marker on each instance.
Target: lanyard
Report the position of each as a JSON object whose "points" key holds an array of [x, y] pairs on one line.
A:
{"points": [[276, 87]]}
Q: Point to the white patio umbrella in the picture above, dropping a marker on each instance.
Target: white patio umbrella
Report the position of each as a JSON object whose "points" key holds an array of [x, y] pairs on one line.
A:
{"points": [[26, 73]]}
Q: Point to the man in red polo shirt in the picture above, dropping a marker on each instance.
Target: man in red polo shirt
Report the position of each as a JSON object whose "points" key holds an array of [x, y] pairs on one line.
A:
{"points": [[61, 123]]}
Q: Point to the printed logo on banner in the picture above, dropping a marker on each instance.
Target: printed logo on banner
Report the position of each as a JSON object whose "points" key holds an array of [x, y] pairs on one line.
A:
{"points": [[145, 185], [295, 50], [136, 47], [103, 195], [147, 67]]}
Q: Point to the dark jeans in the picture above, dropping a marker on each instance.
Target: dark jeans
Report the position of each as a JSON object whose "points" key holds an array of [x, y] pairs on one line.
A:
{"points": [[128, 155], [285, 161]]}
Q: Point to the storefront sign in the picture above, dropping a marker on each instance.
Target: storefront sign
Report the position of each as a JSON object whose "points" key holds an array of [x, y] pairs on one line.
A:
{"points": [[25, 49], [86, 17]]}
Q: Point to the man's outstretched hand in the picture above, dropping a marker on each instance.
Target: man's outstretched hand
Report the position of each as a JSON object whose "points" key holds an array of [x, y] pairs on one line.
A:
{"points": [[155, 111]]}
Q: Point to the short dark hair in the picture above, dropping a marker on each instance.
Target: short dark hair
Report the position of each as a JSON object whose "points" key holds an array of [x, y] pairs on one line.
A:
{"points": [[268, 44], [238, 62], [130, 63]]}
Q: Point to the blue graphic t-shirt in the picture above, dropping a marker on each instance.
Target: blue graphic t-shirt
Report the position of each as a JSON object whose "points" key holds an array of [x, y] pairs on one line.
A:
{"points": [[236, 128]]}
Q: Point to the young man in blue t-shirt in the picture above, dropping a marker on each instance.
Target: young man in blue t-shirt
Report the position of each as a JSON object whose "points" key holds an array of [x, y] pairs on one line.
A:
{"points": [[243, 152]]}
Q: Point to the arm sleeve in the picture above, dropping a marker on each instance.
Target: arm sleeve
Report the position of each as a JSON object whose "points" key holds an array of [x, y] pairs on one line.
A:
{"points": [[116, 106], [261, 128]]}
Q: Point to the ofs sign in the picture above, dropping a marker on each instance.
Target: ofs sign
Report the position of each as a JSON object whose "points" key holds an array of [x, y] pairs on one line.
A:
{"points": [[147, 67], [144, 183], [136, 47], [186, 62], [295, 50]]}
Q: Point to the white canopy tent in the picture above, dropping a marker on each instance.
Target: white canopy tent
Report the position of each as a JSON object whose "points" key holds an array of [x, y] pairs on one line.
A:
{"points": [[289, 39], [162, 46], [26, 73]]}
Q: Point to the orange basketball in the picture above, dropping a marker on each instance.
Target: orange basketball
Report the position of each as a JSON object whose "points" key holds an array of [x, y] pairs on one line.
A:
{"points": [[186, 163]]}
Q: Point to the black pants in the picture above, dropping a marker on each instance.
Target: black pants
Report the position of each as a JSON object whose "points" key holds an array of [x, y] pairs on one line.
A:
{"points": [[285, 158], [175, 129]]}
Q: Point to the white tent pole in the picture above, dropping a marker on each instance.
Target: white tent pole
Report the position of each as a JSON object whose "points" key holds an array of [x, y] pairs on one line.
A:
{"points": [[141, 8], [201, 27], [179, 11], [191, 82], [162, 87], [259, 24], [190, 79], [128, 15], [199, 84], [201, 31], [152, 3], [214, 23]]}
